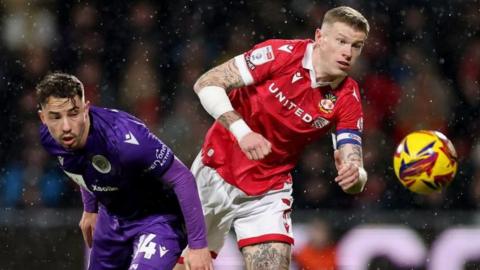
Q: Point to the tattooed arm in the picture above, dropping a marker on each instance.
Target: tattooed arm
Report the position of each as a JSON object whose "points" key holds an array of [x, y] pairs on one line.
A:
{"points": [[351, 153], [349, 163], [211, 88], [226, 76]]}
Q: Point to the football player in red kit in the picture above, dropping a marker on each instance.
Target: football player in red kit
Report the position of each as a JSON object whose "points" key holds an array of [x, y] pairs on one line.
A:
{"points": [[282, 96]]}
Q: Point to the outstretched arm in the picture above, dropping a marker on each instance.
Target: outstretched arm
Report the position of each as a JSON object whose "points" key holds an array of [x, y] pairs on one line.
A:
{"points": [[211, 89], [352, 177]]}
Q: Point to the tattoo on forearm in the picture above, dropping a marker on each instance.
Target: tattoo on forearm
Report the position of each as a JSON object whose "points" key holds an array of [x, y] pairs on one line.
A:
{"points": [[267, 256], [225, 75], [354, 153], [232, 75], [229, 117]]}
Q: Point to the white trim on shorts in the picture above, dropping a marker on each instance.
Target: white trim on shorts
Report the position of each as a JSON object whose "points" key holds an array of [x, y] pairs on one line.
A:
{"points": [[255, 219]]}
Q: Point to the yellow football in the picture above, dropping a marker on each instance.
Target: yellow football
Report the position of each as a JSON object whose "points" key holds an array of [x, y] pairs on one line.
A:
{"points": [[425, 161]]}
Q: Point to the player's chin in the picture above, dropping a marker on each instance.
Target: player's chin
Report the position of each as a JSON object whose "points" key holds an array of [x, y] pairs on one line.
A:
{"points": [[343, 71], [69, 145]]}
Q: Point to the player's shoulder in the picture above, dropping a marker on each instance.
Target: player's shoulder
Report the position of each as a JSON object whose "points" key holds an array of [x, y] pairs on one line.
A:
{"points": [[348, 87], [131, 140], [116, 126], [126, 135], [348, 94], [285, 47], [285, 44], [282, 53], [280, 48]]}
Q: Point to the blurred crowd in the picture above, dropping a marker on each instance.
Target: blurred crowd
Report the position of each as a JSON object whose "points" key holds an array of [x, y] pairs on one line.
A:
{"points": [[420, 70]]}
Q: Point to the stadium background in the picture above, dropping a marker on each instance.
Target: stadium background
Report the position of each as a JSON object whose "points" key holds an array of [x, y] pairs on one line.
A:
{"points": [[419, 70]]}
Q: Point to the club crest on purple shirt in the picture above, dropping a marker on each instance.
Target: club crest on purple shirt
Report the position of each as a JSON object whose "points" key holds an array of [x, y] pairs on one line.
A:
{"points": [[101, 164]]}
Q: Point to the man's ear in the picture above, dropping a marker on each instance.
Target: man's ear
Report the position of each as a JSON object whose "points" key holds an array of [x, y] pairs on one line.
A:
{"points": [[318, 34], [42, 117], [87, 106]]}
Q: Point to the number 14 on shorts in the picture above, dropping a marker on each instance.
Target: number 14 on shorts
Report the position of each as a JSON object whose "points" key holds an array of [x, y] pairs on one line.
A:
{"points": [[148, 247]]}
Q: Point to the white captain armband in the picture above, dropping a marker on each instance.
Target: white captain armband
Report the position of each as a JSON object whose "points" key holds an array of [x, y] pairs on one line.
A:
{"points": [[215, 101]]}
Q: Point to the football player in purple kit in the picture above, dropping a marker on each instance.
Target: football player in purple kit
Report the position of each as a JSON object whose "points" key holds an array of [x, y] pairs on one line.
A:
{"points": [[137, 196]]}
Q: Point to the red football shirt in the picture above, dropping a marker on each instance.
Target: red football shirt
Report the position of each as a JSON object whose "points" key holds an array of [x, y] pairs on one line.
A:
{"points": [[283, 102]]}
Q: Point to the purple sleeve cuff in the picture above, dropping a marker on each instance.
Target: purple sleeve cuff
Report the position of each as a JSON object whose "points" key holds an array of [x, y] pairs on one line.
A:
{"points": [[185, 187], [90, 204]]}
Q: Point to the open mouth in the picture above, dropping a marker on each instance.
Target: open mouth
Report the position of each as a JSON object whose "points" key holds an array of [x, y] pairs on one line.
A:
{"points": [[68, 140], [344, 64]]}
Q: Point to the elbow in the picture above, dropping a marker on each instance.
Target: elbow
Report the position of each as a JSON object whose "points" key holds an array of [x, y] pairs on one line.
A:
{"points": [[197, 87], [202, 83]]}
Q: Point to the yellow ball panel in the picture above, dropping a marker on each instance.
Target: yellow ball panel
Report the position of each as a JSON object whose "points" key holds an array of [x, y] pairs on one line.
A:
{"points": [[425, 161]]}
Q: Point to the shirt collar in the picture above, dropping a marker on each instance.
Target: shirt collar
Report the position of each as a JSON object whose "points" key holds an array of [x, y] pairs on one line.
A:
{"points": [[307, 63]]}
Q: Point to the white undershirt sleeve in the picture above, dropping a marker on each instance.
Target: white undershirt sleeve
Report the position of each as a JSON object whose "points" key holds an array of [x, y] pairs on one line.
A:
{"points": [[243, 68]]}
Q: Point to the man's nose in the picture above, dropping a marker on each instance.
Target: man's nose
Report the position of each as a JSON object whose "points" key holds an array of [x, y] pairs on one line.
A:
{"points": [[66, 127], [347, 52]]}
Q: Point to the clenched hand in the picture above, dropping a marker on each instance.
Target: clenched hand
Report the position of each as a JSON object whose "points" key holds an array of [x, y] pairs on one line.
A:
{"points": [[255, 146]]}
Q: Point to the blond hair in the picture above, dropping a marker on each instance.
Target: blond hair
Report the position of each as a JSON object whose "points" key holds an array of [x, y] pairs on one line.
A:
{"points": [[349, 16]]}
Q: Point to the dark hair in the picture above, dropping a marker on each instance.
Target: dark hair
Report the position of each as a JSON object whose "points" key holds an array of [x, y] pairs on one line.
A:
{"points": [[348, 16], [59, 85]]}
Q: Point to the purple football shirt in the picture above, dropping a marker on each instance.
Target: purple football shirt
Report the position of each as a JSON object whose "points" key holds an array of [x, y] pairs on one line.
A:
{"points": [[130, 172]]}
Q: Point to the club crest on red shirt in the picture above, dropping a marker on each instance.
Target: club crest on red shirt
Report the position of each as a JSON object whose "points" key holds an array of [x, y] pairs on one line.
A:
{"points": [[327, 104]]}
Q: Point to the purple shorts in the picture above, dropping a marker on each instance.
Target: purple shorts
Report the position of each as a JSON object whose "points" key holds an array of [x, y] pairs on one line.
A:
{"points": [[148, 243]]}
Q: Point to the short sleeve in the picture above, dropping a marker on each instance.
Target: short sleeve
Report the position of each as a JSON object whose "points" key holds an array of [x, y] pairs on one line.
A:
{"points": [[144, 151], [258, 63], [349, 126]]}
